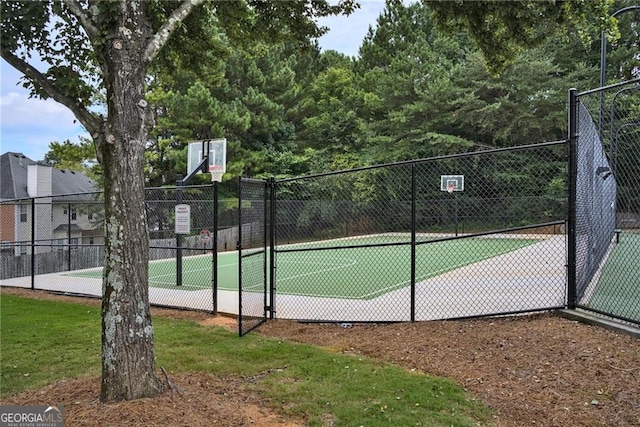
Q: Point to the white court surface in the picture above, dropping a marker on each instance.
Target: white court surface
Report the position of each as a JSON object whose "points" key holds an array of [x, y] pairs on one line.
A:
{"points": [[527, 279], [196, 300]]}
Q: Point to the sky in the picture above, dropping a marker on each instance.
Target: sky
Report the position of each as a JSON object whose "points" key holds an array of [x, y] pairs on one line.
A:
{"points": [[27, 125]]}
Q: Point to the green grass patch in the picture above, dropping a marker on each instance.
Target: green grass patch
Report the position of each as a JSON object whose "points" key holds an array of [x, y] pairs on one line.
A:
{"points": [[44, 341]]}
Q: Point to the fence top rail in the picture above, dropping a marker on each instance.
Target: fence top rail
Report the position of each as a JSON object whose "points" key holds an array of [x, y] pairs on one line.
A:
{"points": [[428, 159], [175, 187], [612, 86], [255, 180], [56, 198]]}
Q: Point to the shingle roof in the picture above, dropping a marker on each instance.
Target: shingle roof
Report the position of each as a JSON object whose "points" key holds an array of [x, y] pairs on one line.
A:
{"points": [[13, 178]]}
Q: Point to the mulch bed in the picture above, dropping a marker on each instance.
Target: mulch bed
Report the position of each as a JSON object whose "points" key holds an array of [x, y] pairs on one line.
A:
{"points": [[538, 370]]}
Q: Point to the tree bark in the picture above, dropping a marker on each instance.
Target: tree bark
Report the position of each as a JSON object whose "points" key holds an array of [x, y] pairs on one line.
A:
{"points": [[128, 358]]}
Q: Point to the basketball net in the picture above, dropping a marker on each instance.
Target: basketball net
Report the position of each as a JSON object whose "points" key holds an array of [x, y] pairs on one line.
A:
{"points": [[450, 188], [216, 176]]}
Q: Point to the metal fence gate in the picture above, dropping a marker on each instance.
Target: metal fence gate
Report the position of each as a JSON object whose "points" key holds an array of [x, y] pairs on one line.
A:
{"points": [[605, 191], [253, 203]]}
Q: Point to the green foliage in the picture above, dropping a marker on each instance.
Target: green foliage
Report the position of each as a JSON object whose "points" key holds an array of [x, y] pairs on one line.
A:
{"points": [[336, 129], [410, 67], [252, 103], [284, 21], [524, 105], [29, 27], [415, 91], [502, 30], [77, 157], [623, 58]]}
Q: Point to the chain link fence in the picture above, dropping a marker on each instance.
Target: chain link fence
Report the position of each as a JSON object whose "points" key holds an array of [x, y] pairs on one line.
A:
{"points": [[528, 228], [386, 243], [52, 234], [254, 294], [60, 244], [607, 198]]}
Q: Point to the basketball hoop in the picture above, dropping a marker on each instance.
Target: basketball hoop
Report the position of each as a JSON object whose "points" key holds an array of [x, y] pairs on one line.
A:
{"points": [[451, 183], [216, 176], [214, 151], [216, 173]]}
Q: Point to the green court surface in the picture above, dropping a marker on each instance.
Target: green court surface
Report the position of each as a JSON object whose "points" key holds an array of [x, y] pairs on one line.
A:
{"points": [[617, 290], [341, 272]]}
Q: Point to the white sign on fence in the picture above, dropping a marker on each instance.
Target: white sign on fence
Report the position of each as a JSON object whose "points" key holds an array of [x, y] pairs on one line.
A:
{"points": [[183, 219]]}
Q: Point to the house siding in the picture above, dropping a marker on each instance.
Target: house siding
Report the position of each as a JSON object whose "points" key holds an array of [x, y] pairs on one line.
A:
{"points": [[25, 182], [7, 225]]}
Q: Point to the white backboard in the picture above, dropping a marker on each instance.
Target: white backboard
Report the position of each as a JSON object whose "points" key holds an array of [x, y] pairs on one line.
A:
{"points": [[217, 155], [455, 181]]}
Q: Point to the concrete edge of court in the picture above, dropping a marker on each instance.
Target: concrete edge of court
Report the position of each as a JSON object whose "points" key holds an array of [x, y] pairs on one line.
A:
{"points": [[595, 320]]}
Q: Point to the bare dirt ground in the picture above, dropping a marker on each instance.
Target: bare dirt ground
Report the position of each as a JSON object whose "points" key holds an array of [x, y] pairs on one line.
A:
{"points": [[538, 370]]}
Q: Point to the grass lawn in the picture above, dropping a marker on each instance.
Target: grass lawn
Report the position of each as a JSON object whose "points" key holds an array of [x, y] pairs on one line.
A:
{"points": [[45, 341]]}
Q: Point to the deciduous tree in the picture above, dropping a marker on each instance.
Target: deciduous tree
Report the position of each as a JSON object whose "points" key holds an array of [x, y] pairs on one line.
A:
{"points": [[86, 47]]}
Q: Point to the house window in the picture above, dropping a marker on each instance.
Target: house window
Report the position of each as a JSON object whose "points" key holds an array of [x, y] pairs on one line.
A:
{"points": [[23, 213], [72, 213], [90, 215]]}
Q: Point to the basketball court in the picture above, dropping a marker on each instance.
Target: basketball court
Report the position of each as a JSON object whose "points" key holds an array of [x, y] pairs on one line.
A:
{"points": [[355, 285]]}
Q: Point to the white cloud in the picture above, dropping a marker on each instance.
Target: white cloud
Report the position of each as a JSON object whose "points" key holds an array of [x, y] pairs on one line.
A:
{"points": [[19, 110], [29, 125]]}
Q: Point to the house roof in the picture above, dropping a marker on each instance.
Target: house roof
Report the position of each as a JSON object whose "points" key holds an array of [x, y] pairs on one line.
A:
{"points": [[13, 178], [65, 227]]}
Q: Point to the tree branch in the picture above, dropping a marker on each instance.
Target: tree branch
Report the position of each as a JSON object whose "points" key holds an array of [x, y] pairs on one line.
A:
{"points": [[84, 116], [84, 18], [161, 37]]}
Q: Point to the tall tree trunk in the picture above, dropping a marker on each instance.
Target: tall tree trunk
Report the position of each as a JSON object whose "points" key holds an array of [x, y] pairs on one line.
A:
{"points": [[128, 359], [118, 35]]}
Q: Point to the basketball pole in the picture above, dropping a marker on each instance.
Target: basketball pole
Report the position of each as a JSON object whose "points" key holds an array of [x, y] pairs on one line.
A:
{"points": [[455, 198], [214, 261], [179, 185], [451, 189], [180, 182]]}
